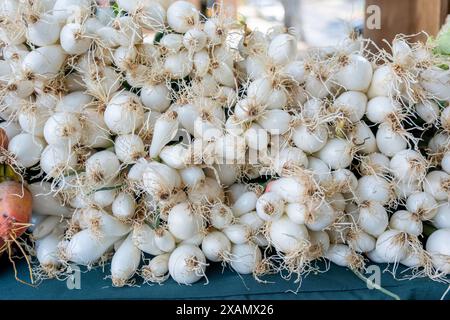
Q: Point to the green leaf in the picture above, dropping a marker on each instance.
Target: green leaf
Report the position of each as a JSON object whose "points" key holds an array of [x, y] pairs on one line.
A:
{"points": [[442, 104], [158, 37], [428, 229], [116, 9], [442, 41]]}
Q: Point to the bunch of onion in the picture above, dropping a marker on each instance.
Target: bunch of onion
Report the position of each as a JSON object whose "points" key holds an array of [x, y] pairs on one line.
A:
{"points": [[151, 146]]}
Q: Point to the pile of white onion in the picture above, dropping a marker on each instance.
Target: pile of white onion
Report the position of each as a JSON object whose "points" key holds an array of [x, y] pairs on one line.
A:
{"points": [[213, 143]]}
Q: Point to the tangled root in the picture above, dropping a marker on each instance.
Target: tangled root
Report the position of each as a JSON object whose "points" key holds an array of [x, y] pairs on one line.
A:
{"points": [[296, 262], [47, 271], [7, 247], [117, 282], [262, 268], [149, 276]]}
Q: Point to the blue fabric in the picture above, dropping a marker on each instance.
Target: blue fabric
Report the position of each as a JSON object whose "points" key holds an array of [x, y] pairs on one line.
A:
{"points": [[337, 283]]}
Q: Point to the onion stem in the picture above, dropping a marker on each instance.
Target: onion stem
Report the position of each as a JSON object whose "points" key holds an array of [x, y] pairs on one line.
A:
{"points": [[375, 286]]}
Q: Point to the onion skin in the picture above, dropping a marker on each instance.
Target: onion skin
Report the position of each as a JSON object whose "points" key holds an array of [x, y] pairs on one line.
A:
{"points": [[4, 141], [15, 209], [269, 186]]}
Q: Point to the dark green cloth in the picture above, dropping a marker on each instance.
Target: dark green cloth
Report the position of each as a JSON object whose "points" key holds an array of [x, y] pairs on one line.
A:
{"points": [[337, 283]]}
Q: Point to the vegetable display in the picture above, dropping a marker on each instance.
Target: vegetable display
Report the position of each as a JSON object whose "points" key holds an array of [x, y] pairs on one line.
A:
{"points": [[162, 141]]}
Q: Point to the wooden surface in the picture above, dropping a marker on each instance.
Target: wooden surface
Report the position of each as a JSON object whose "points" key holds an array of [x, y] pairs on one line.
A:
{"points": [[429, 15], [408, 17]]}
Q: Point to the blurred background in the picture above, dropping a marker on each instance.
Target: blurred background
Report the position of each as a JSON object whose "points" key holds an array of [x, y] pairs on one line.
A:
{"points": [[326, 22], [317, 22]]}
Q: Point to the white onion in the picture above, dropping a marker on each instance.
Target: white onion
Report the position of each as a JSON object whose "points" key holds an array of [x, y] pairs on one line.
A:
{"points": [[282, 49], [360, 241], [352, 104], [44, 31], [46, 202], [373, 218], [144, 239], [164, 240], [156, 97], [187, 264], [269, 206], [47, 251], [157, 269], [321, 216], [181, 16], [124, 206], [129, 148], [178, 65], [216, 246], [310, 139], [437, 183], [408, 164], [86, 248], [442, 218], [102, 166], [275, 121], [192, 176], [62, 128], [245, 257], [184, 222], [422, 204], [124, 113], [45, 227], [166, 128], [125, 262], [287, 236], [428, 111], [379, 108], [437, 246], [355, 74], [194, 40], [44, 61], [341, 255], [73, 39], [390, 141], [26, 149], [391, 246], [57, 160], [337, 153], [382, 82], [237, 233], [405, 221], [373, 188], [220, 216]]}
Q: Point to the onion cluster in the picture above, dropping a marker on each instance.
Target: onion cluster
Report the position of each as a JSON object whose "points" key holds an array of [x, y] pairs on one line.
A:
{"points": [[210, 143]]}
